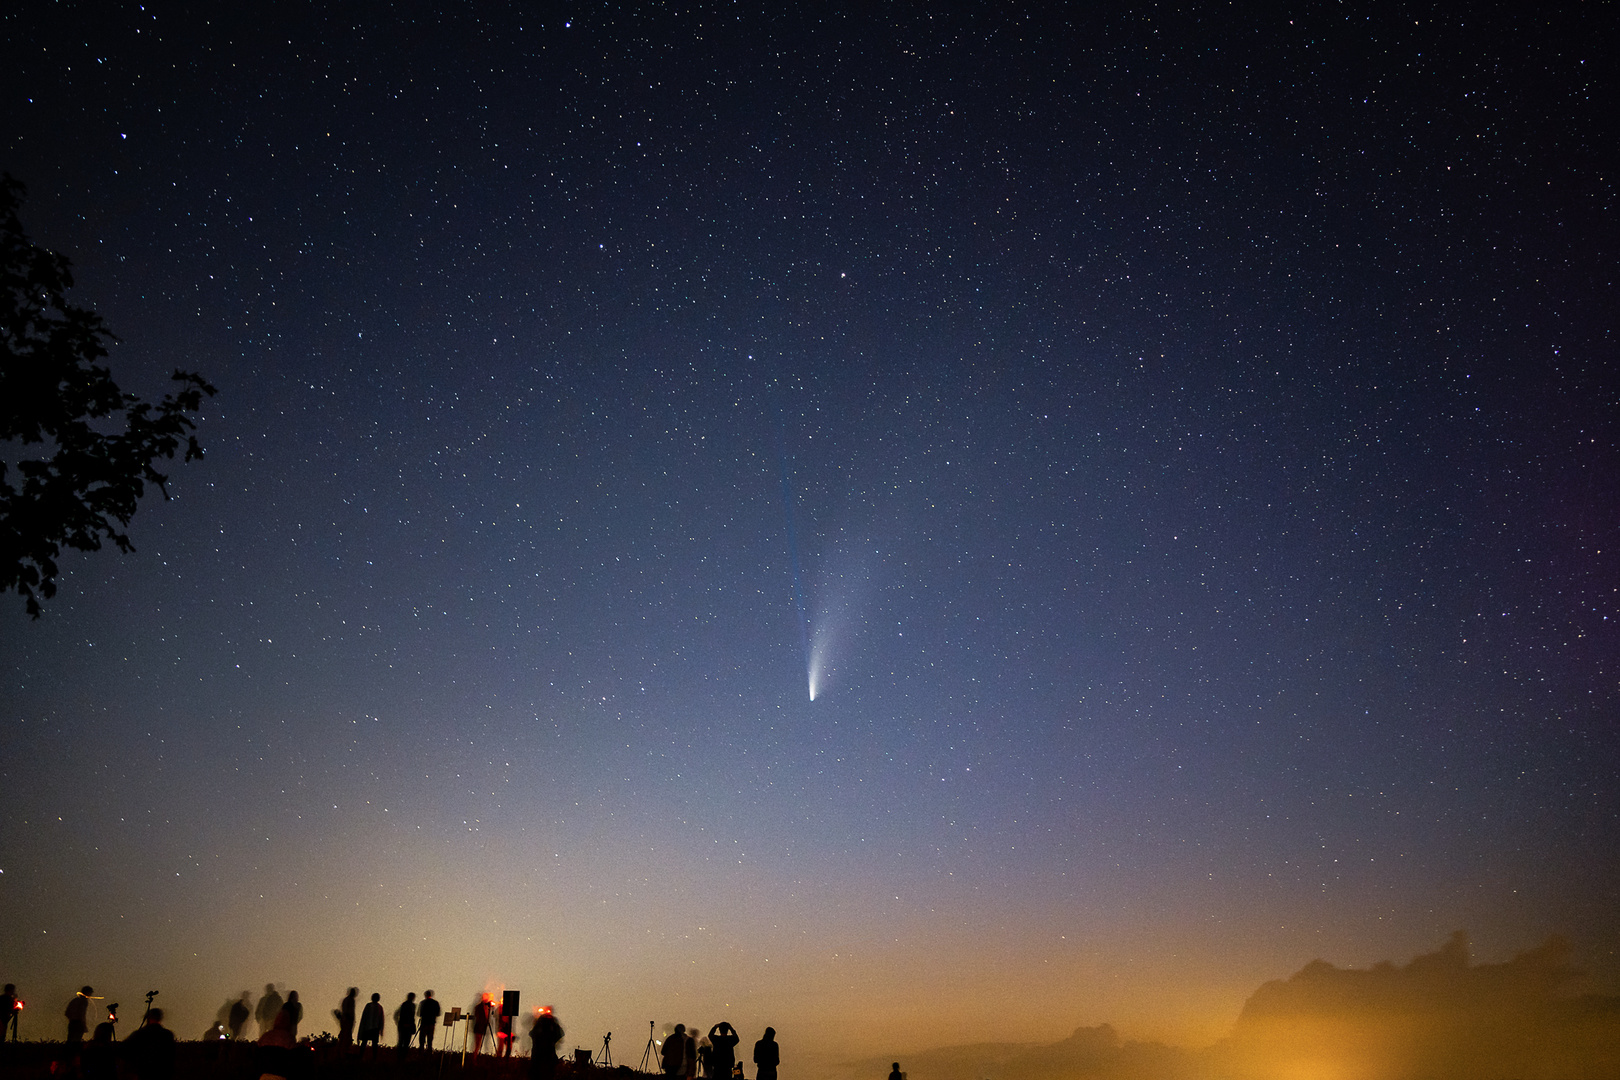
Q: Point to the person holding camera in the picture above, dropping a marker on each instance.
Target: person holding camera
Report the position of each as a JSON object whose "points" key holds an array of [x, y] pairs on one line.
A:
{"points": [[723, 1038]]}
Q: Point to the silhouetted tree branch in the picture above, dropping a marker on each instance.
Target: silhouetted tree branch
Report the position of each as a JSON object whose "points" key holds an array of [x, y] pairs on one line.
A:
{"points": [[86, 447]]}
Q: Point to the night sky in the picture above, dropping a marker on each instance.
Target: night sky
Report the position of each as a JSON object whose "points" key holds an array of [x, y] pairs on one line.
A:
{"points": [[1178, 449]]}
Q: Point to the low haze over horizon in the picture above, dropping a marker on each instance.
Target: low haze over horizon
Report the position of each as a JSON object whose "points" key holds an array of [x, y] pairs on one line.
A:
{"points": [[915, 526]]}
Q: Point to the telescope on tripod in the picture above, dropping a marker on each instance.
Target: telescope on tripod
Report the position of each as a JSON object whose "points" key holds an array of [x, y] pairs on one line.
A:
{"points": [[649, 1056]]}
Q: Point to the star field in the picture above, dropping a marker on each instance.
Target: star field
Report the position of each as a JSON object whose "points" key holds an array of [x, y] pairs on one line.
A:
{"points": [[1199, 430]]}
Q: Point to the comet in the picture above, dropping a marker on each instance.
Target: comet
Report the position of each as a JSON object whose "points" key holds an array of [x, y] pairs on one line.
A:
{"points": [[812, 668]]}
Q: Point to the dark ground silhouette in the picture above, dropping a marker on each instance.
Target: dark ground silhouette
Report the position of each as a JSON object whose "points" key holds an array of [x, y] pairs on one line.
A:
{"points": [[310, 1061]]}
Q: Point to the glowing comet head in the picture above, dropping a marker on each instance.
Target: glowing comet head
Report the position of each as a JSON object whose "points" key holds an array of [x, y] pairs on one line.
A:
{"points": [[829, 629], [818, 663]]}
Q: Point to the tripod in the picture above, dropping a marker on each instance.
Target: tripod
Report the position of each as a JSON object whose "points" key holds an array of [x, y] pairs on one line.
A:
{"points": [[648, 1056], [605, 1058]]}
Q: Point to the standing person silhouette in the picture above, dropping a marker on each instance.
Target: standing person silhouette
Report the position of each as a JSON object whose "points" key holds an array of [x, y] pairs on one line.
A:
{"points": [[405, 1022], [276, 1052], [344, 1015], [371, 1024], [503, 1034], [281, 1036], [480, 1021], [269, 1008], [10, 1006], [293, 1009], [724, 1039], [544, 1036], [76, 1011], [237, 1018], [673, 1054], [427, 1018], [767, 1055], [895, 1073]]}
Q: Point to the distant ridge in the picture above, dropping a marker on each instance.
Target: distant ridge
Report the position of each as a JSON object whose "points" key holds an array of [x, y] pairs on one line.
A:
{"points": [[1439, 1017]]}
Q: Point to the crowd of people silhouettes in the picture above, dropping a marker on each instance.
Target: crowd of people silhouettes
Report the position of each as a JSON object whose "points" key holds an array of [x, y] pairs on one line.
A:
{"points": [[714, 1057], [148, 1053]]}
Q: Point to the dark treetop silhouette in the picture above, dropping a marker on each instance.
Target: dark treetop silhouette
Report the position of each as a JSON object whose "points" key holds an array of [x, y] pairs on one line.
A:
{"points": [[54, 394]]}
